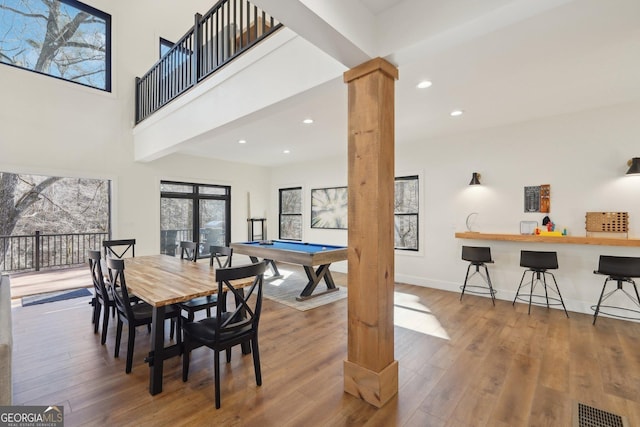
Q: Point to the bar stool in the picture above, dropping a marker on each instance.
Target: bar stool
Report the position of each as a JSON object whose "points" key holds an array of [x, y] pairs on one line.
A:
{"points": [[620, 269], [537, 263], [478, 257]]}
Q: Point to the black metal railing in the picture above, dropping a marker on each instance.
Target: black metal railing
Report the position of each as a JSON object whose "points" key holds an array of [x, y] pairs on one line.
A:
{"points": [[38, 251], [230, 28]]}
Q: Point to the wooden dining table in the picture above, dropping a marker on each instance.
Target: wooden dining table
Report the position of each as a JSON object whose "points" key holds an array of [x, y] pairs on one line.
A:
{"points": [[162, 280]]}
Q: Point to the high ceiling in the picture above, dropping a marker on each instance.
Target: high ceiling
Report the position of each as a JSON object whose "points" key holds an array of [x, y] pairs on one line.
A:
{"points": [[500, 61]]}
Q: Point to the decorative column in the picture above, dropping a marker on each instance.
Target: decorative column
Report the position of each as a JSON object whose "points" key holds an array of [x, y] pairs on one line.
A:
{"points": [[370, 371]]}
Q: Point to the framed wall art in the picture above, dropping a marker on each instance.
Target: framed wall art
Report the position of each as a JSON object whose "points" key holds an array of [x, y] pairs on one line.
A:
{"points": [[329, 208]]}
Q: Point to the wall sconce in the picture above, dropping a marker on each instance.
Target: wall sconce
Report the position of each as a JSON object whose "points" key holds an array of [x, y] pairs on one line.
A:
{"points": [[634, 166], [475, 179]]}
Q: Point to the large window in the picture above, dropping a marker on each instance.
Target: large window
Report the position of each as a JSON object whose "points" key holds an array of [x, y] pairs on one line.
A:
{"points": [[194, 212], [406, 209], [65, 39], [291, 213]]}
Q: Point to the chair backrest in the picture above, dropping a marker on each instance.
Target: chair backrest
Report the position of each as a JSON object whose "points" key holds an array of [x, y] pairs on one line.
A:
{"points": [[97, 276], [477, 254], [110, 247], [537, 260], [619, 266], [217, 252], [246, 315], [189, 250], [115, 267]]}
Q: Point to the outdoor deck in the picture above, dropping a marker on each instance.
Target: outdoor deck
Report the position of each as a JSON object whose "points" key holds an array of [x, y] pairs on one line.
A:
{"points": [[32, 283]]}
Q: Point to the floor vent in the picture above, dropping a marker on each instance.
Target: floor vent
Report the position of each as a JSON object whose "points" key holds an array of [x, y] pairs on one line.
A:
{"points": [[588, 416]]}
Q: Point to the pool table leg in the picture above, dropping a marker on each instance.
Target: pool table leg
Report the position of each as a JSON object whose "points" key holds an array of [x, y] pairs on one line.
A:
{"points": [[314, 277], [271, 263]]}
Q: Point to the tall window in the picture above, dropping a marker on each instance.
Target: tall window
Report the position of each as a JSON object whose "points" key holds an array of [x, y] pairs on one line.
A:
{"points": [[65, 39], [194, 212], [291, 213], [406, 213]]}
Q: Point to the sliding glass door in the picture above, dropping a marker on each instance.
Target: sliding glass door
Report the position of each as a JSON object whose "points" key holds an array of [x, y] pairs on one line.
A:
{"points": [[194, 212]]}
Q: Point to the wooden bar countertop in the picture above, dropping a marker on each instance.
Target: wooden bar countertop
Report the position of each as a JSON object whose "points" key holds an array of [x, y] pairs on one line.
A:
{"points": [[574, 240]]}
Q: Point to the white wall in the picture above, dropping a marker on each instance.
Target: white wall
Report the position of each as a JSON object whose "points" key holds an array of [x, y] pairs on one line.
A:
{"points": [[52, 127], [582, 156]]}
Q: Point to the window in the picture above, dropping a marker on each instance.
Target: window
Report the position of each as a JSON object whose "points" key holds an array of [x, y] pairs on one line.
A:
{"points": [[65, 39], [406, 213], [165, 46], [194, 212], [291, 213]]}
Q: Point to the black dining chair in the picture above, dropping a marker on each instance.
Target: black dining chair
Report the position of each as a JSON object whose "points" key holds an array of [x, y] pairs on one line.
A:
{"points": [[619, 269], [119, 248], [189, 251], [102, 296], [228, 329], [210, 301], [132, 313]]}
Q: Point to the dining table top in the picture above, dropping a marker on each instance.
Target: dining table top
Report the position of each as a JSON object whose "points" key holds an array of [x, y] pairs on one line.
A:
{"points": [[161, 280]]}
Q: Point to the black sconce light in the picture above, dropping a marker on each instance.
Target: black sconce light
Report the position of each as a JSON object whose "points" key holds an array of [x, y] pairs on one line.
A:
{"points": [[634, 166], [475, 179]]}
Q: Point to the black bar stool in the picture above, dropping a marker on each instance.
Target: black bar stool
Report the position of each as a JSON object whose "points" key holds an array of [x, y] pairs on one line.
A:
{"points": [[537, 263], [620, 269], [478, 257]]}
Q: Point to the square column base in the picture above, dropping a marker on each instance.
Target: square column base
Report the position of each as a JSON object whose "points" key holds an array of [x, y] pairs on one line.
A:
{"points": [[375, 388]]}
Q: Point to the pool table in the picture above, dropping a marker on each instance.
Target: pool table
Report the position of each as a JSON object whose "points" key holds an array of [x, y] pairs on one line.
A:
{"points": [[306, 254]]}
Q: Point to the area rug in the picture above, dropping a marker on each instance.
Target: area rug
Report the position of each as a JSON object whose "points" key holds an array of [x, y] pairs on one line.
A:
{"points": [[286, 288], [55, 296]]}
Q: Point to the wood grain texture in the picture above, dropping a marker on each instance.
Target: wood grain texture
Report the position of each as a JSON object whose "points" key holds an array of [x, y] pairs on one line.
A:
{"points": [[572, 240], [495, 367], [163, 280], [371, 255]]}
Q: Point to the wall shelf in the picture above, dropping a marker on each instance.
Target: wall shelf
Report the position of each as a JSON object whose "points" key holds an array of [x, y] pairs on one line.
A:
{"points": [[572, 240]]}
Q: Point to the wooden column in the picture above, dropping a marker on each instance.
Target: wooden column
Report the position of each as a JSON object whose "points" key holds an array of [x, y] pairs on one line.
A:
{"points": [[370, 371]]}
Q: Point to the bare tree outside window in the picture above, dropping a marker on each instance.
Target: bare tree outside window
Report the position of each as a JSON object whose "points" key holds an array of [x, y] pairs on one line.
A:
{"points": [[291, 213], [60, 38], [51, 206], [406, 209]]}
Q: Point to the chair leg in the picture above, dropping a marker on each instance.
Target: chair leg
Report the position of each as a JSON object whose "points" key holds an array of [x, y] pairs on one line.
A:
{"points": [[531, 291], [208, 311], [216, 367], [131, 342], [173, 329], [520, 286], [491, 291], [544, 283], [97, 307], [256, 360], [186, 355], [228, 351], [559, 294], [116, 352], [105, 325], [595, 315], [464, 286]]}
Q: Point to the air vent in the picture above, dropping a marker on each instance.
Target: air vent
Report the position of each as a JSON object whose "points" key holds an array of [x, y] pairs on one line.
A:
{"points": [[588, 416]]}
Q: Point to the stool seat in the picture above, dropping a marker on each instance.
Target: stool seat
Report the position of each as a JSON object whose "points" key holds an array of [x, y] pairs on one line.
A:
{"points": [[620, 270], [538, 263], [478, 256]]}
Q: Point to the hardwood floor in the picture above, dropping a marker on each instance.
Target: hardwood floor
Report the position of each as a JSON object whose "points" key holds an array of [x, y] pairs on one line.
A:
{"points": [[461, 364]]}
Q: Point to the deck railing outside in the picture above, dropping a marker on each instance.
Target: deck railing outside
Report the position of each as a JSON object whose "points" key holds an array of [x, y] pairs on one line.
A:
{"points": [[41, 251], [217, 37]]}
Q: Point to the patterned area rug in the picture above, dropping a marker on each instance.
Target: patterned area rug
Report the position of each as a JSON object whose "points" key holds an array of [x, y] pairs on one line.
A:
{"points": [[286, 288], [55, 296]]}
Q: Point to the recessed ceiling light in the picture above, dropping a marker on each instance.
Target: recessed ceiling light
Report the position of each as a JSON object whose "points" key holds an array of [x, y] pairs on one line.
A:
{"points": [[286, 151], [456, 113], [307, 121], [424, 84], [242, 141]]}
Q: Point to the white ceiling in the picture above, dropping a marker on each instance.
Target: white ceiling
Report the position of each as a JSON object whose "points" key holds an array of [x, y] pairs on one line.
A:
{"points": [[511, 62]]}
